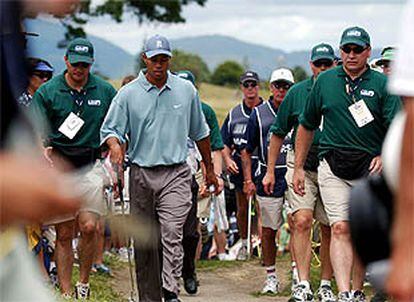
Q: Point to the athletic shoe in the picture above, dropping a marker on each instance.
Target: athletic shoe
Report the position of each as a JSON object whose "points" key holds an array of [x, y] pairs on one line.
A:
{"points": [[82, 291], [123, 254], [101, 268], [302, 294], [190, 285], [359, 296], [170, 296], [224, 257], [242, 254], [66, 297], [345, 297], [325, 294], [271, 285]]}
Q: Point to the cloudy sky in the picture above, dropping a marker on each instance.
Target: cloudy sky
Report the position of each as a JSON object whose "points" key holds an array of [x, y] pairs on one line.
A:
{"points": [[285, 24]]}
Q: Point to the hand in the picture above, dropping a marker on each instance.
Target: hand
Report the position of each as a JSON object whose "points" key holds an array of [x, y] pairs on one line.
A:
{"points": [[268, 182], [116, 155], [211, 180], [299, 181], [376, 165], [32, 192], [249, 188], [203, 191], [231, 166]]}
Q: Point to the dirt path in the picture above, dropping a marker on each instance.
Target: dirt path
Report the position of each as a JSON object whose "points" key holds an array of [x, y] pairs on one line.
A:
{"points": [[240, 283]]}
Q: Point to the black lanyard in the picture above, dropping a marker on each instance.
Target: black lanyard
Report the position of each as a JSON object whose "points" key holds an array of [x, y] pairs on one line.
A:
{"points": [[78, 98], [351, 87]]}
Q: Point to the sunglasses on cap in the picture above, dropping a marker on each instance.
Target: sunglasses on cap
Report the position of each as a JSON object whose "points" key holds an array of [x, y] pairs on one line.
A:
{"points": [[320, 63], [80, 64], [248, 84], [281, 85], [355, 48], [43, 74]]}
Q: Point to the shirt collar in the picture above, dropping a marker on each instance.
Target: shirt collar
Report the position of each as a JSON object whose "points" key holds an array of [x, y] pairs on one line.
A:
{"points": [[271, 103], [142, 79]]}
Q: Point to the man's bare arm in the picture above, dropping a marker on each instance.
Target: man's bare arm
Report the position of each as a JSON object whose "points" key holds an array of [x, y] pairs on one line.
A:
{"points": [[304, 140], [272, 155], [205, 151]]}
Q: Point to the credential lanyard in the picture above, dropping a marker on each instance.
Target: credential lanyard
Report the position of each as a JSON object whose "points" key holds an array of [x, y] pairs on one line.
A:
{"points": [[351, 87], [78, 98]]}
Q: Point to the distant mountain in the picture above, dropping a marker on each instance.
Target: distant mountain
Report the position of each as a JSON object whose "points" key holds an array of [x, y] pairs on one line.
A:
{"points": [[111, 60], [215, 49]]}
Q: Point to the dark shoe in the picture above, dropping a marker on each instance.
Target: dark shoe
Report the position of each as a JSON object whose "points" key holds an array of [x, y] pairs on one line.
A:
{"points": [[170, 296], [191, 286], [379, 297]]}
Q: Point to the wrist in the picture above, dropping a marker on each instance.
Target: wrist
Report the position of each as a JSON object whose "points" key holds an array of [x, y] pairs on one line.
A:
{"points": [[247, 181]]}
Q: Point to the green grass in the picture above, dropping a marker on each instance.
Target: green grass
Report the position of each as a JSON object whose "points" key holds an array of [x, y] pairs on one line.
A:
{"points": [[101, 290], [212, 265]]}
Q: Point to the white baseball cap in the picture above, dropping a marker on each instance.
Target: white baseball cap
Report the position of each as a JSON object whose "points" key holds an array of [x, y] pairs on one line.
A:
{"points": [[282, 74]]}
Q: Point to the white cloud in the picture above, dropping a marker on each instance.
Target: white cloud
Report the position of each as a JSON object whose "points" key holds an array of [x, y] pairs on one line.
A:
{"points": [[293, 26]]}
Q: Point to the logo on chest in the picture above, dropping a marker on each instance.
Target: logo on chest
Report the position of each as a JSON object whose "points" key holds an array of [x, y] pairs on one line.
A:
{"points": [[369, 93], [94, 102], [239, 129]]}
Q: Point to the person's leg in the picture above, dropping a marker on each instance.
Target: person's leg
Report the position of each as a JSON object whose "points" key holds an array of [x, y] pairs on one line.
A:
{"points": [[173, 186], [302, 220], [221, 241], [100, 241], [358, 274], [147, 264], [326, 266], [87, 244], [242, 211], [191, 238], [64, 254]]}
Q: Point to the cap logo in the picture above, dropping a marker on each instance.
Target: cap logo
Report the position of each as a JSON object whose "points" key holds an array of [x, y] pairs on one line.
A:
{"points": [[249, 74], [81, 48], [159, 44], [322, 49], [354, 33]]}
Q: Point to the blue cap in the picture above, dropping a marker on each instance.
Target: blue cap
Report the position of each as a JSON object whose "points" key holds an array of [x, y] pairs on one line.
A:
{"points": [[157, 45]]}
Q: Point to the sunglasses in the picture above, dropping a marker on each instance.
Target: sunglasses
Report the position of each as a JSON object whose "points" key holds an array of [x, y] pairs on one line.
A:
{"points": [[249, 84], [385, 64], [43, 75], [281, 85], [80, 64], [355, 48], [320, 63]]}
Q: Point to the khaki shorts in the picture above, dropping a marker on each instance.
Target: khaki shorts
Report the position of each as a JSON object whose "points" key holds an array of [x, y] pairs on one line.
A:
{"points": [[312, 198], [271, 211], [335, 193], [90, 187]]}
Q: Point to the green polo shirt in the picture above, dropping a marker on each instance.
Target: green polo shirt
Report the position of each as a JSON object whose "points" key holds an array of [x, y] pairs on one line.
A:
{"points": [[55, 100], [329, 99], [211, 119], [289, 111]]}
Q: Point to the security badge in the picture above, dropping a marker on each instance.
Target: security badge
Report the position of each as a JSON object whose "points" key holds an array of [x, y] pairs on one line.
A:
{"points": [[361, 113], [71, 126]]}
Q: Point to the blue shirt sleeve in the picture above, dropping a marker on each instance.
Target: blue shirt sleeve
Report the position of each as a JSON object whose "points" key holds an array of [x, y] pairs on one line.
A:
{"points": [[116, 120], [252, 134], [225, 132]]}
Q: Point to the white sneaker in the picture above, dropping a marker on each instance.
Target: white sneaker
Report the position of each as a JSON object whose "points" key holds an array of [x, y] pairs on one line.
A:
{"points": [[271, 285], [325, 294], [242, 254], [359, 296], [123, 254], [345, 297], [224, 257], [302, 294]]}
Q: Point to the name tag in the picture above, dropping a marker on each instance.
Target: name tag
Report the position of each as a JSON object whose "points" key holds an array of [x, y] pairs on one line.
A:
{"points": [[361, 113], [71, 126], [94, 102]]}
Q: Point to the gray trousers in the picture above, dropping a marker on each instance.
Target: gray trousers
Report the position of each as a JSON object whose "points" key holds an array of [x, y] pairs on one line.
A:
{"points": [[163, 194]]}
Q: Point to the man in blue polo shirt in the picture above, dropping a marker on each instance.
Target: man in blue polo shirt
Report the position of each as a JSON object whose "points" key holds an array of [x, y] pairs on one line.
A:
{"points": [[159, 111], [233, 133]]}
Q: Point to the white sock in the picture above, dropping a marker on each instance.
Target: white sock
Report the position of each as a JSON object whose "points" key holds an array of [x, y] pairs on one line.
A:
{"points": [[293, 264], [244, 242], [325, 282], [305, 283]]}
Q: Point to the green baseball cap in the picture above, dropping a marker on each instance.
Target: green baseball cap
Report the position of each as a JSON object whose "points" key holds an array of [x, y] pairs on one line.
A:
{"points": [[187, 75], [387, 54], [80, 50], [322, 51], [355, 35]]}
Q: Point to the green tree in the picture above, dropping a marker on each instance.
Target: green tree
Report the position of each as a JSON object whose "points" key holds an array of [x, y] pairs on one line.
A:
{"points": [[299, 73], [164, 11], [227, 73], [187, 61]]}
